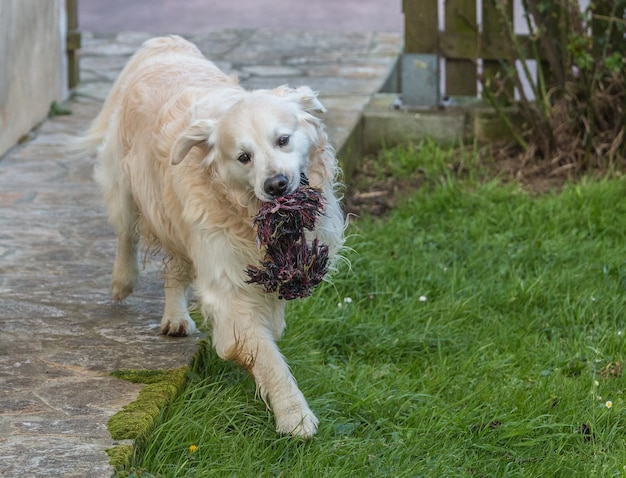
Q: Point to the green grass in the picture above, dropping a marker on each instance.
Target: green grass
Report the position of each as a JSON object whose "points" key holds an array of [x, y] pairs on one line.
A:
{"points": [[484, 337]]}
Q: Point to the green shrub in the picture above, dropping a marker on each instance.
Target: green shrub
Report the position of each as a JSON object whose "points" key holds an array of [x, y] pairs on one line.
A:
{"points": [[575, 122]]}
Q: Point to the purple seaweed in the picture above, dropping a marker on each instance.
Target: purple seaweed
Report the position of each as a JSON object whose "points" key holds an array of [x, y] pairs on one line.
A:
{"points": [[290, 266]]}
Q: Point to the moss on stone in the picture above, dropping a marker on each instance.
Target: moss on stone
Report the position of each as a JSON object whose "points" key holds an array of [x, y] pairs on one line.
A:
{"points": [[137, 419], [120, 456], [141, 376]]}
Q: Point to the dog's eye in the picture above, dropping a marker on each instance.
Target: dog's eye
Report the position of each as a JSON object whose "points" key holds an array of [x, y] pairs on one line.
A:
{"points": [[283, 140], [244, 158]]}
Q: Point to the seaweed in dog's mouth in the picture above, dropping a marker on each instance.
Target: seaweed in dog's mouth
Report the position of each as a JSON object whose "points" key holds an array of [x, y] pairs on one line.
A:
{"points": [[304, 181], [290, 266]]}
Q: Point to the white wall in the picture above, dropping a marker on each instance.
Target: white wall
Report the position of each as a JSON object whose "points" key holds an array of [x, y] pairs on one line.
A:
{"points": [[33, 65]]}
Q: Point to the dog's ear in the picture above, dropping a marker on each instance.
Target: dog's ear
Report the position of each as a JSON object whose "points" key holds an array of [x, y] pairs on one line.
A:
{"points": [[304, 96], [198, 133]]}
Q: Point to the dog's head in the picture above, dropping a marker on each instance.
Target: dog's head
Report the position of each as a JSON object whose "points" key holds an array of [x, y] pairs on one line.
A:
{"points": [[262, 144]]}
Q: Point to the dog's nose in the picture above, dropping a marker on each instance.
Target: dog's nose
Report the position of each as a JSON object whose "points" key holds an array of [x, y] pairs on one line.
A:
{"points": [[276, 185]]}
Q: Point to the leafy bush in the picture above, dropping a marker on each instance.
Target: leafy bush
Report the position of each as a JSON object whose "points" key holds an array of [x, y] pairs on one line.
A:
{"points": [[575, 122]]}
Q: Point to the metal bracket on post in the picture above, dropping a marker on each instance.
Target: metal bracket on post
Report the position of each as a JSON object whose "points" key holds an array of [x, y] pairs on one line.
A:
{"points": [[420, 80]]}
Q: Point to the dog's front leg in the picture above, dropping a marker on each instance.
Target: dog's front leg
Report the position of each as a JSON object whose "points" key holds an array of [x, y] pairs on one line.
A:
{"points": [[246, 334], [278, 386]]}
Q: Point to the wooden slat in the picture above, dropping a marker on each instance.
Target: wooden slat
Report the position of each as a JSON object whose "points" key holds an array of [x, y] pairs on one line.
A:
{"points": [[467, 46], [420, 26], [494, 34], [460, 18]]}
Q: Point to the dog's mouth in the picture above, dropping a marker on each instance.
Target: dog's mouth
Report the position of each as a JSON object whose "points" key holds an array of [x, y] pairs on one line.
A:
{"points": [[304, 181]]}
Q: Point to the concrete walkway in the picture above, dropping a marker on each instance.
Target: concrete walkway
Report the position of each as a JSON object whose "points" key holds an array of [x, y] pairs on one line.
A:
{"points": [[60, 336]]}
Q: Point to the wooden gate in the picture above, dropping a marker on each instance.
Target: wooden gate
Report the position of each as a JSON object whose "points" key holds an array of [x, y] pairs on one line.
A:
{"points": [[461, 43]]}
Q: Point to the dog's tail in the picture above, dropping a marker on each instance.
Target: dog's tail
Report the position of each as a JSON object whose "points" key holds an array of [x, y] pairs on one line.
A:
{"points": [[88, 142]]}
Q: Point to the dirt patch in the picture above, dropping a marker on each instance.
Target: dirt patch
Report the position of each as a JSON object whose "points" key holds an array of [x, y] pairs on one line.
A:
{"points": [[370, 194], [538, 176], [510, 164]]}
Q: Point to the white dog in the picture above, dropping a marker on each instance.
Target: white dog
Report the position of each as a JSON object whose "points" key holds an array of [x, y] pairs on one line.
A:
{"points": [[186, 155]]}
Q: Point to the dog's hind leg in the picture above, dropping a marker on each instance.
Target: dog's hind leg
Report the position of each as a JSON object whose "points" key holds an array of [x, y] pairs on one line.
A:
{"points": [[123, 214], [125, 268], [176, 320]]}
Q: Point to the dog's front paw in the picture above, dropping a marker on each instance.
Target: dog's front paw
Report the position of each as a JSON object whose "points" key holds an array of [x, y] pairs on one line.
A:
{"points": [[297, 421], [177, 327]]}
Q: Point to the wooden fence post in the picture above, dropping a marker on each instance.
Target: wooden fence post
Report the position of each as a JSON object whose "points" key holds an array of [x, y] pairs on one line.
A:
{"points": [[421, 26], [420, 61], [460, 18], [72, 42]]}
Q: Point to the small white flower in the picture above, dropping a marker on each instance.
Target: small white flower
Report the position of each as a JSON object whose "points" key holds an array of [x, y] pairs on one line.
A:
{"points": [[608, 404], [346, 300], [423, 298]]}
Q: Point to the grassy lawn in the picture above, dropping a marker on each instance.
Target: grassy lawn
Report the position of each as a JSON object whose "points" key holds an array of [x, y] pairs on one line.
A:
{"points": [[479, 332]]}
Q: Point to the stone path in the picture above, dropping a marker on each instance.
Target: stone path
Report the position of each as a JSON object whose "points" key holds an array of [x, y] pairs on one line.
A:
{"points": [[60, 336], [200, 16]]}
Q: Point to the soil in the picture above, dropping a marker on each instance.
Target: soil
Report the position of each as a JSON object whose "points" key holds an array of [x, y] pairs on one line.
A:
{"points": [[368, 194]]}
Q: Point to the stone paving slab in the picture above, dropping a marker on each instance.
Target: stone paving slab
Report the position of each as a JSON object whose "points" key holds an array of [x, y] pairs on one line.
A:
{"points": [[60, 336], [199, 16]]}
